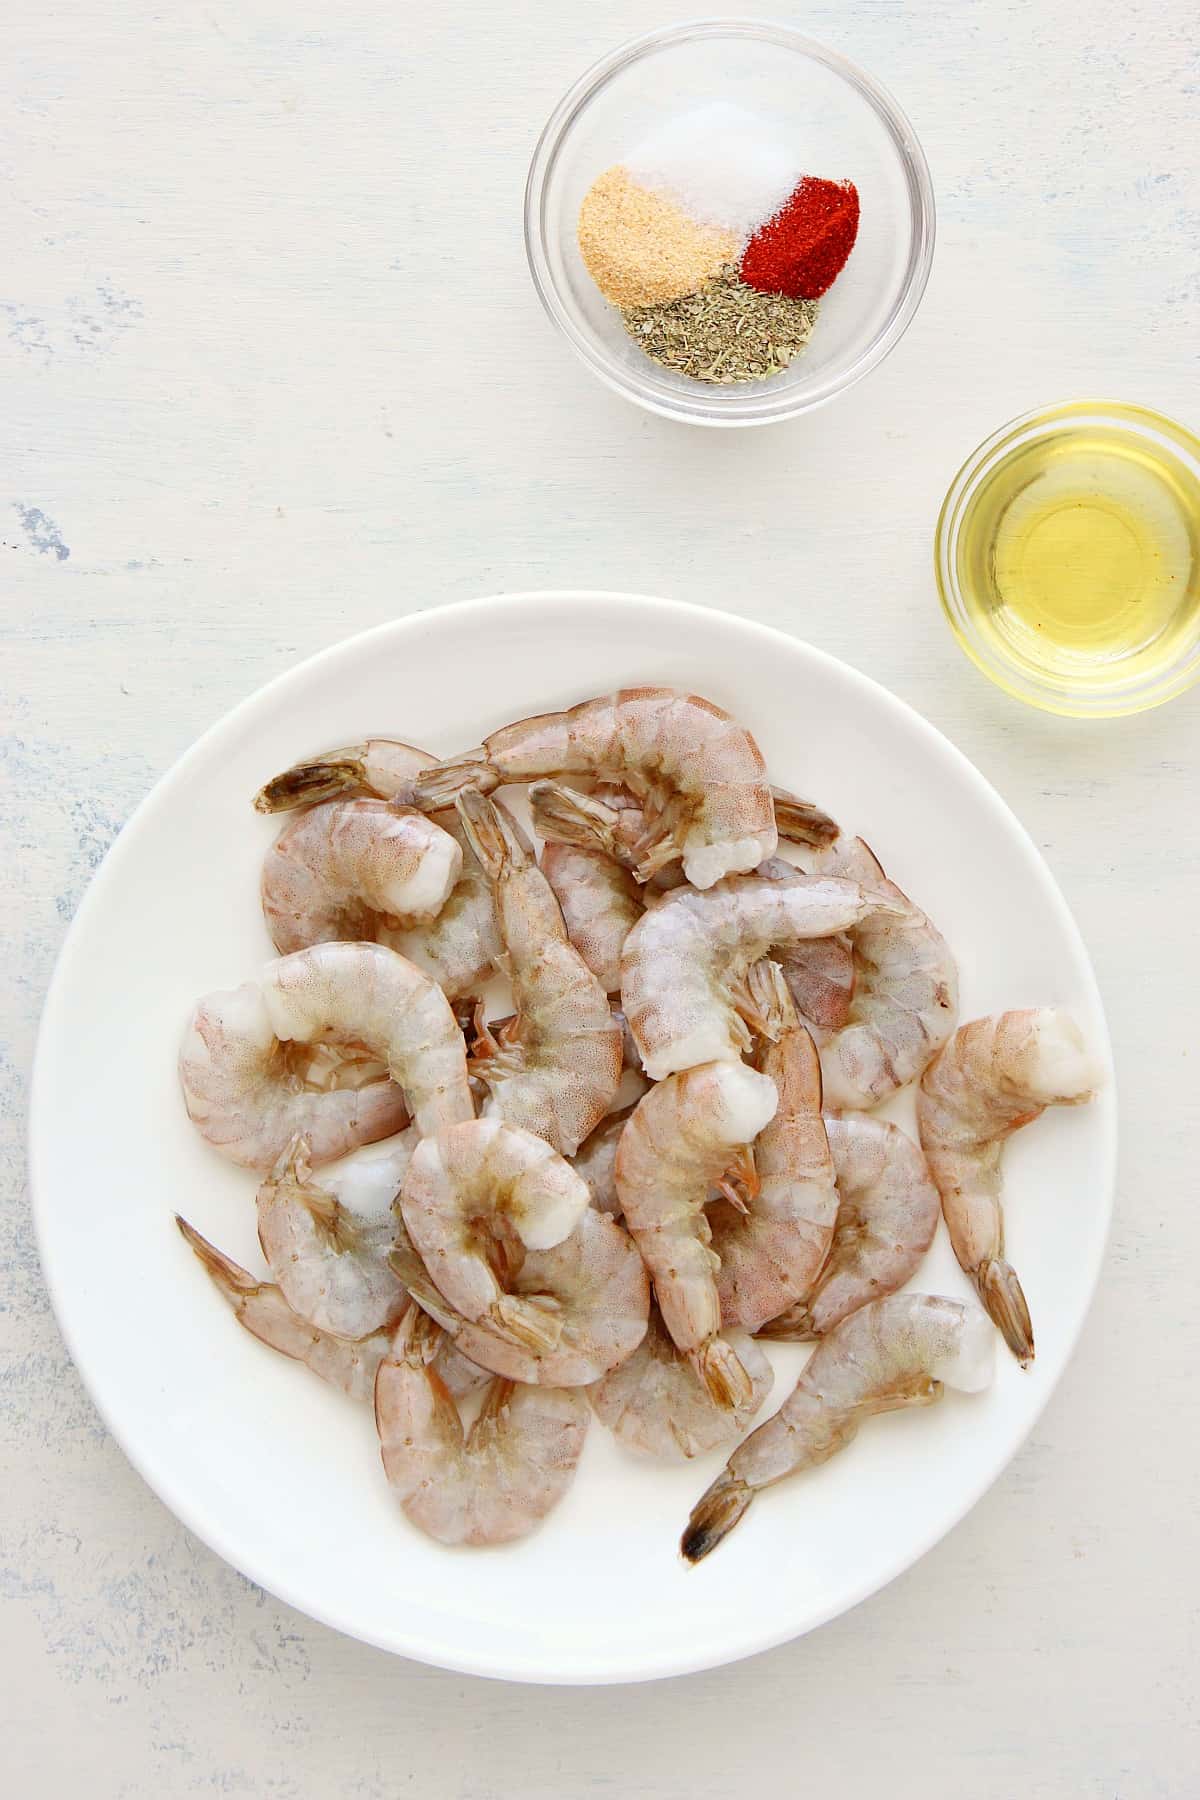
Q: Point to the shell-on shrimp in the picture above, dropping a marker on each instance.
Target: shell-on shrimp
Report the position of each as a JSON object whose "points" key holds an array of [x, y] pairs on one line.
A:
{"points": [[700, 774], [466, 1194], [557, 1066], [592, 1286], [244, 1082], [905, 995], [349, 1365], [995, 1075], [682, 1138], [887, 1215], [685, 963], [341, 868], [331, 1264], [893, 1353], [380, 766], [260, 1308], [491, 1484], [600, 905], [656, 1404], [459, 947], [613, 821], [770, 1250]]}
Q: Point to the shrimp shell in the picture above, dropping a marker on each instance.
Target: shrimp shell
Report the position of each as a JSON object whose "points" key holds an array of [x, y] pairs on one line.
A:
{"points": [[685, 962], [242, 1089], [593, 1287], [770, 1253], [491, 1484], [887, 1215], [700, 774], [655, 1403], [557, 1067], [340, 869], [681, 1138], [995, 1075], [893, 1353], [600, 905]]}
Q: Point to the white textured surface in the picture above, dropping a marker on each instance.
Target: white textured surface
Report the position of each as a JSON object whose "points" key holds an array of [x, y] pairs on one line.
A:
{"points": [[255, 399]]}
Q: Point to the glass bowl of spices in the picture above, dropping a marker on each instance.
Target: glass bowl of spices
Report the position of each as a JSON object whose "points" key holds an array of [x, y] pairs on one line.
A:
{"points": [[729, 223], [1067, 556]]}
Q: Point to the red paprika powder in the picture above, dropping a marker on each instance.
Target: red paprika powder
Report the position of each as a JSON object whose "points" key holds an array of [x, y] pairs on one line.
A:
{"points": [[803, 249]]}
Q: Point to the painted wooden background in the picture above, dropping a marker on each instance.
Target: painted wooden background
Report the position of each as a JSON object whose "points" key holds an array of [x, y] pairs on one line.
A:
{"points": [[272, 371]]}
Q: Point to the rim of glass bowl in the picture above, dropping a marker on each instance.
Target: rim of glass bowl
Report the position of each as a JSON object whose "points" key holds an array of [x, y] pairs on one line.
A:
{"points": [[1018, 682], [730, 409]]}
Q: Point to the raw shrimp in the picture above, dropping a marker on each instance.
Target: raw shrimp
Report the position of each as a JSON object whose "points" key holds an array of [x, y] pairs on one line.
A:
{"points": [[380, 766], [887, 1215], [600, 905], [262, 1310], [330, 1263], [342, 868], [351, 1366], [770, 1249], [557, 1066], [244, 1061], [491, 1484], [684, 968], [596, 1161], [893, 1353], [995, 1075], [821, 977], [905, 995], [699, 774], [460, 946], [656, 1404], [466, 1195], [683, 1136], [592, 1287], [613, 821]]}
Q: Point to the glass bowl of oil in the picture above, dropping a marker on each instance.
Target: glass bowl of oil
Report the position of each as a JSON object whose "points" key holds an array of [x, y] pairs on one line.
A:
{"points": [[1068, 558]]}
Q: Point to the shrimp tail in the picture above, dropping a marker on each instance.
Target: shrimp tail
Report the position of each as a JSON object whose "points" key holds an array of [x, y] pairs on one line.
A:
{"points": [[1004, 1301], [800, 822], [765, 1001], [308, 783], [441, 785], [714, 1516], [720, 1369], [571, 818], [533, 1326], [489, 834], [795, 1326], [227, 1275]]}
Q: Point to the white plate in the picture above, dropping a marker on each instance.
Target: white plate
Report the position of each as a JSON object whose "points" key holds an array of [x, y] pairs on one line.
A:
{"points": [[282, 1476]]}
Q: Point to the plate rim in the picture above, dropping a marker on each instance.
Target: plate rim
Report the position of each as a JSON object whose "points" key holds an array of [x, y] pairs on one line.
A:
{"points": [[426, 1648]]}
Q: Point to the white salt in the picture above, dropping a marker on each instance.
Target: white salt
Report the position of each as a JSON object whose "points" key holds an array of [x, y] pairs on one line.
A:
{"points": [[722, 164]]}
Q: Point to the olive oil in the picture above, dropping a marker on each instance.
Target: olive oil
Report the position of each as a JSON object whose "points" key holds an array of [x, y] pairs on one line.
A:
{"points": [[1079, 558]]}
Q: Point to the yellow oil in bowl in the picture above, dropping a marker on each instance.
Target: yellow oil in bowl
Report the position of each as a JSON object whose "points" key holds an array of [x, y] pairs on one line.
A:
{"points": [[1069, 558]]}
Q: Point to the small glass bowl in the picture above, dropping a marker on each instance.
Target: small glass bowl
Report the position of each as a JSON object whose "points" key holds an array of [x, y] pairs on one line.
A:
{"points": [[843, 123], [1097, 688]]}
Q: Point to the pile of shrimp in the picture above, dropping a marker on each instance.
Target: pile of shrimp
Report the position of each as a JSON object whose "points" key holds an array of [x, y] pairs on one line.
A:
{"points": [[496, 1221]]}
